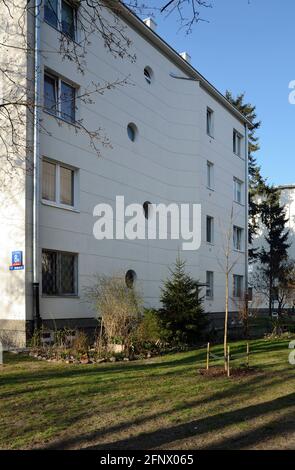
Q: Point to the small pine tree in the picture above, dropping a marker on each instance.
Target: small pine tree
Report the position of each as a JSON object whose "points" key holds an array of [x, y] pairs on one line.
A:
{"points": [[182, 313], [274, 256]]}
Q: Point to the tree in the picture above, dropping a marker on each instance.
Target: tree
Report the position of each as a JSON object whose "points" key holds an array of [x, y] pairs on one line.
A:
{"points": [[274, 255], [257, 184], [182, 313]]}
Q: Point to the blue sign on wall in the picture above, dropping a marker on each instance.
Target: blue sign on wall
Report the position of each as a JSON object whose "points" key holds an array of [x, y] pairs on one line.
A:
{"points": [[16, 261], [17, 258]]}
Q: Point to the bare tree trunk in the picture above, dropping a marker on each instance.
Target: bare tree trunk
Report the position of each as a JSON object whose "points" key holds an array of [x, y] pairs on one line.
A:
{"points": [[226, 320]]}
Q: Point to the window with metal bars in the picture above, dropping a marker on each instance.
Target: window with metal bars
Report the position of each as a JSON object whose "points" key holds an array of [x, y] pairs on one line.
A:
{"points": [[59, 273]]}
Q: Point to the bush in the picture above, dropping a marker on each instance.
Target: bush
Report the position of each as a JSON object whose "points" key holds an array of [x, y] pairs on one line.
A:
{"points": [[118, 306], [149, 333]]}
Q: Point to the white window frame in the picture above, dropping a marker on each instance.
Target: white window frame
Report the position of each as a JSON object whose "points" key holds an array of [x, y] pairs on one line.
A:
{"points": [[238, 237], [237, 143], [241, 279], [210, 285], [59, 80], [210, 122], [57, 203], [210, 175], [237, 182], [209, 217], [59, 19]]}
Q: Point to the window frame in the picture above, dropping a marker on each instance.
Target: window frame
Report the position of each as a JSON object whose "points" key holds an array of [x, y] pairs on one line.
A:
{"points": [[238, 238], [210, 175], [210, 122], [210, 285], [237, 143], [75, 182], [210, 219], [58, 292], [237, 181], [59, 24], [58, 105], [238, 295]]}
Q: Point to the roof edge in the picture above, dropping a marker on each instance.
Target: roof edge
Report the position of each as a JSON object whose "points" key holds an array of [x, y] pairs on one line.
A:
{"points": [[131, 18]]}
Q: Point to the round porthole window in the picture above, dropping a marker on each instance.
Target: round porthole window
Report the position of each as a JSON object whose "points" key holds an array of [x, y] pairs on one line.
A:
{"points": [[132, 131], [148, 75], [130, 278], [147, 209]]}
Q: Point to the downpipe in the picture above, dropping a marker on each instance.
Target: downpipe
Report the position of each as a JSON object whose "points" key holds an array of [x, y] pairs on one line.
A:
{"points": [[36, 168]]}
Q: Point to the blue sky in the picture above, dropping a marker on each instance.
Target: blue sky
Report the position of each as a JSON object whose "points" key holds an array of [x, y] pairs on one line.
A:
{"points": [[248, 46]]}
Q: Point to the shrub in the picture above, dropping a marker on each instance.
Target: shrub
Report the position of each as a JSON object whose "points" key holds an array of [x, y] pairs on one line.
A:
{"points": [[118, 306], [149, 333]]}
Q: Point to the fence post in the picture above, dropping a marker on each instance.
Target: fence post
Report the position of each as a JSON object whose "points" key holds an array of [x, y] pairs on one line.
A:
{"points": [[208, 356], [248, 351], [228, 361], [1, 354]]}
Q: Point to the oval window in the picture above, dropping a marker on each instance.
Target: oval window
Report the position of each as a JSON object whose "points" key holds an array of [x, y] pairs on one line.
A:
{"points": [[147, 209], [130, 278], [132, 131], [148, 75]]}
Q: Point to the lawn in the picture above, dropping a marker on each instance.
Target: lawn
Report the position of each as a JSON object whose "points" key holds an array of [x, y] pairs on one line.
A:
{"points": [[161, 403]]}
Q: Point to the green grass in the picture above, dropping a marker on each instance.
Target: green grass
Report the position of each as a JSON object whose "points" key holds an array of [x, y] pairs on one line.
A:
{"points": [[161, 403]]}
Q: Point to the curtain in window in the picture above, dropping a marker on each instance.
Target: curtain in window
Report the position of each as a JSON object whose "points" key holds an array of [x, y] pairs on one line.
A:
{"points": [[66, 186], [48, 181]]}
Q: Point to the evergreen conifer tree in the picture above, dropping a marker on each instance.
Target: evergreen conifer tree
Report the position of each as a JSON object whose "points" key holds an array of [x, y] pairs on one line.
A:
{"points": [[274, 255], [182, 313]]}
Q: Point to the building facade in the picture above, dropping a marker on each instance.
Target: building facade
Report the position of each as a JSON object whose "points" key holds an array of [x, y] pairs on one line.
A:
{"points": [[172, 141]]}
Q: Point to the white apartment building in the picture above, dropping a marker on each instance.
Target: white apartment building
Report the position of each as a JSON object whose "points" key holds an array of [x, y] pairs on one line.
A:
{"points": [[172, 141]]}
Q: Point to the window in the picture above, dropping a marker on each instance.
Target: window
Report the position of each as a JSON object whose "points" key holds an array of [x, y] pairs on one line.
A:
{"points": [[50, 93], [58, 183], [237, 143], [67, 102], [130, 278], [59, 98], [59, 273], [238, 191], [132, 131], [238, 238], [51, 12], [210, 175], [148, 75], [68, 17], [147, 209], [61, 15], [209, 284], [210, 122], [237, 286], [209, 229]]}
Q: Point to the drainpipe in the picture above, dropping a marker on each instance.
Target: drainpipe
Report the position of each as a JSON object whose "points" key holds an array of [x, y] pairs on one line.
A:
{"points": [[246, 214], [36, 169]]}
